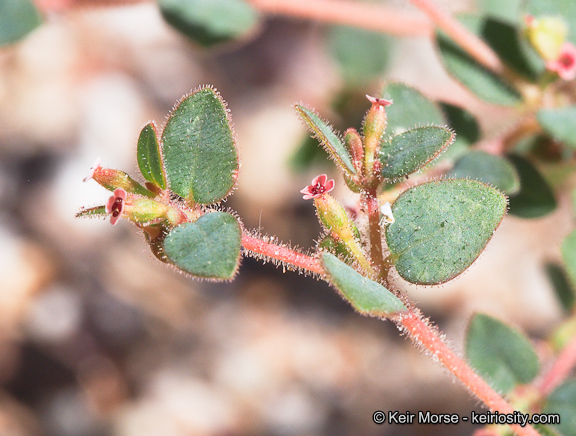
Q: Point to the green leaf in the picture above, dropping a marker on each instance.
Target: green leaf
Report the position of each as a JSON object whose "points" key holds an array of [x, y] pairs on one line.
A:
{"points": [[411, 108], [199, 148], [210, 22], [557, 275], [536, 198], [365, 295], [150, 156], [563, 402], [509, 10], [462, 122], [560, 123], [407, 152], [362, 55], [509, 44], [441, 227], [563, 8], [479, 80], [327, 137], [502, 355], [17, 19], [466, 128], [488, 168], [92, 212], [569, 256], [208, 247]]}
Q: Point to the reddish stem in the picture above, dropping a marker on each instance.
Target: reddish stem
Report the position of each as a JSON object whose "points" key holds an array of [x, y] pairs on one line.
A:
{"points": [[560, 370], [281, 253], [362, 15], [422, 334], [473, 45], [372, 210]]}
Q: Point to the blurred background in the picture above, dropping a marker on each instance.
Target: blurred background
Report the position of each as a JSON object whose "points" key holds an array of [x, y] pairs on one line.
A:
{"points": [[98, 338]]}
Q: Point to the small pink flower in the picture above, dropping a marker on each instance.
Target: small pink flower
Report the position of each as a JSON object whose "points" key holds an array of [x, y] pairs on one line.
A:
{"points": [[115, 205], [379, 101], [318, 187], [565, 65], [92, 170]]}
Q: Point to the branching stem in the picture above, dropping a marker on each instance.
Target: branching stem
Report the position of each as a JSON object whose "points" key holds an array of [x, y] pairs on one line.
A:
{"points": [[375, 235]]}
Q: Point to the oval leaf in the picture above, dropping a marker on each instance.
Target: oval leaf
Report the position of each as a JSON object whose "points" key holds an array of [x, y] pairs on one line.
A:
{"points": [[365, 295], [503, 356], [509, 44], [536, 198], [150, 156], [407, 152], [488, 168], [209, 22], [208, 247], [559, 123], [411, 108], [559, 279], [362, 55], [441, 227], [327, 137], [467, 130], [199, 149], [17, 19], [563, 402], [482, 82]]}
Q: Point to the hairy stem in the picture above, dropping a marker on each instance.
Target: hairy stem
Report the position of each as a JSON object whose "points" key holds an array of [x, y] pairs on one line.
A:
{"points": [[560, 370], [283, 254], [362, 15], [422, 334], [372, 210], [419, 331], [473, 45]]}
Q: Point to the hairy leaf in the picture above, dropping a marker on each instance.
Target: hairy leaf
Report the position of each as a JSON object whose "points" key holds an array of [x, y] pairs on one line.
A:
{"points": [[199, 148], [206, 248], [441, 227], [365, 295]]}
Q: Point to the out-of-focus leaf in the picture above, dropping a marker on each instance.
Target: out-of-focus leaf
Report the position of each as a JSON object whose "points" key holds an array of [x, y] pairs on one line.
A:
{"points": [[507, 41], [410, 108], [560, 123], [565, 9], [503, 356], [466, 128], [564, 291], [509, 11], [536, 198], [17, 19], [362, 55], [563, 401], [479, 80], [441, 228], [488, 168], [209, 22]]}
